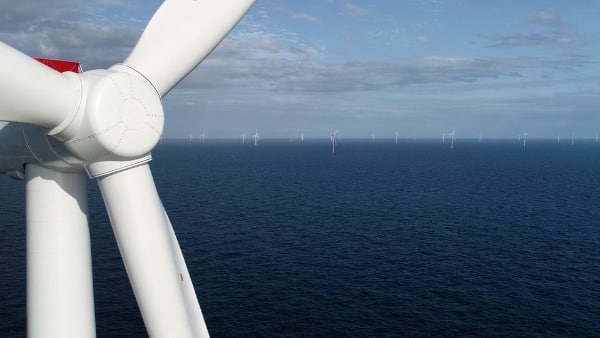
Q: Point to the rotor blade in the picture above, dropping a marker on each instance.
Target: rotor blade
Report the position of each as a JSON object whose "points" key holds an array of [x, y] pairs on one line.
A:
{"points": [[196, 317], [60, 296], [31, 92], [153, 261], [180, 35]]}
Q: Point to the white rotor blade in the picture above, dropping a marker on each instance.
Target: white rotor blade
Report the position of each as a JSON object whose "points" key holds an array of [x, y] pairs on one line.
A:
{"points": [[60, 296], [153, 261], [189, 294], [31, 92], [180, 35]]}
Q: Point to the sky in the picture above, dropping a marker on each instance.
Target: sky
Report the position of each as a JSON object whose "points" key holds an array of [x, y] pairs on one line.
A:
{"points": [[494, 68]]}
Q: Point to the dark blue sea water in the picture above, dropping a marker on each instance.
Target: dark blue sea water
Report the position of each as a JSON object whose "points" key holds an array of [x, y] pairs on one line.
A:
{"points": [[382, 239]]}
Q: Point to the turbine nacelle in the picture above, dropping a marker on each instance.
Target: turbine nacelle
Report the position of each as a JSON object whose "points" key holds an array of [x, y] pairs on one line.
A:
{"points": [[119, 118]]}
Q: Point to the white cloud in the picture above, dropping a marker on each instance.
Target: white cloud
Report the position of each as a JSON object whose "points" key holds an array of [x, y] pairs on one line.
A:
{"points": [[355, 10], [553, 32]]}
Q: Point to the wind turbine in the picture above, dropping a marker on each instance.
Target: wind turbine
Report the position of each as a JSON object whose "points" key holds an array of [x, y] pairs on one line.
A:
{"points": [[452, 139], [302, 137], [243, 137], [524, 138], [396, 137], [333, 136], [203, 136], [443, 137], [104, 122], [255, 138]]}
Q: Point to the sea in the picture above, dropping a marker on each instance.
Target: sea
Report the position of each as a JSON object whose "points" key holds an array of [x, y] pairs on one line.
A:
{"points": [[380, 239]]}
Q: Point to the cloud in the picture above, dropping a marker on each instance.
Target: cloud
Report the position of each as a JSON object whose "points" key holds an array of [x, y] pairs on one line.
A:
{"points": [[355, 10], [261, 61], [303, 17], [546, 18], [551, 39], [549, 30], [66, 29]]}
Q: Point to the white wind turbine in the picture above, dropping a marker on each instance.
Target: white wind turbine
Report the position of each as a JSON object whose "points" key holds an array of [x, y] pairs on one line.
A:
{"points": [[104, 122], [255, 136], [243, 137], [524, 138], [203, 136], [396, 137], [333, 137], [572, 138], [301, 137], [443, 137], [452, 139]]}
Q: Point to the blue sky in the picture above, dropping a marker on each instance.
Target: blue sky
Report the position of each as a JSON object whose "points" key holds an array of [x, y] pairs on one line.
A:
{"points": [[419, 67]]}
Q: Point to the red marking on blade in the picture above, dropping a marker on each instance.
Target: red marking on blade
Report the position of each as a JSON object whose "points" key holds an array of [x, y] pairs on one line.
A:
{"points": [[61, 65], [181, 277]]}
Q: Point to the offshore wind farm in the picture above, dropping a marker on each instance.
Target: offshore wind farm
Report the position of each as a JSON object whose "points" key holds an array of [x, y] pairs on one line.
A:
{"points": [[406, 175]]}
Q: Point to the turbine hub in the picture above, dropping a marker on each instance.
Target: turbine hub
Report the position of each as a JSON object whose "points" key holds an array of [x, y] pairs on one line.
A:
{"points": [[120, 117]]}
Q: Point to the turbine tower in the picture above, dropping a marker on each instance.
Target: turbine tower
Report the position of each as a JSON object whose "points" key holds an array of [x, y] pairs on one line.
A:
{"points": [[243, 137], [333, 137], [443, 137], [255, 137], [396, 137], [302, 137], [524, 138], [452, 139], [62, 124]]}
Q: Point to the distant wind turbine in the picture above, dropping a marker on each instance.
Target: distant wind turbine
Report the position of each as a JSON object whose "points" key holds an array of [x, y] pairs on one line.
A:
{"points": [[396, 137], [333, 136], [443, 137], [572, 138], [452, 139], [190, 138], [301, 137], [243, 137], [255, 137], [203, 136], [524, 138]]}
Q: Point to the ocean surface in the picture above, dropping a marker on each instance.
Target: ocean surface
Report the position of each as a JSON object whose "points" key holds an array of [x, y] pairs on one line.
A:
{"points": [[379, 240]]}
